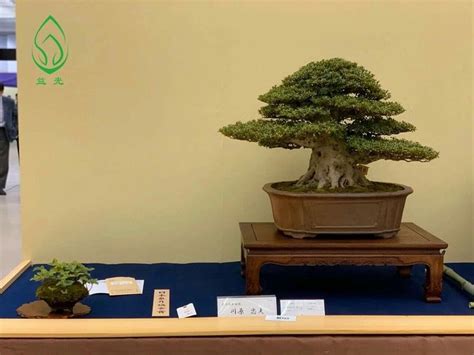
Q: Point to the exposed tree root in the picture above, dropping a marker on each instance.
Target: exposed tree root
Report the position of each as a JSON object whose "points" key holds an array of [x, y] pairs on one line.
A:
{"points": [[332, 167]]}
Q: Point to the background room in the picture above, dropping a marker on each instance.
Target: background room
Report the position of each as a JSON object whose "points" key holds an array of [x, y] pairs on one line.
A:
{"points": [[10, 238], [153, 169], [129, 177]]}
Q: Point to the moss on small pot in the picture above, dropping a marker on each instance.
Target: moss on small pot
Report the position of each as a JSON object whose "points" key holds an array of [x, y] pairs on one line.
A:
{"points": [[61, 299], [372, 186]]}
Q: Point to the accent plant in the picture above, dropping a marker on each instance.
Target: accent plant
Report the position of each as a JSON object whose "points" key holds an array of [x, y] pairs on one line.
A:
{"points": [[337, 109], [63, 284]]}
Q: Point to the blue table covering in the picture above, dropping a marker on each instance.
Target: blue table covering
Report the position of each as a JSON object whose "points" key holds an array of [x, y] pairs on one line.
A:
{"points": [[357, 290]]}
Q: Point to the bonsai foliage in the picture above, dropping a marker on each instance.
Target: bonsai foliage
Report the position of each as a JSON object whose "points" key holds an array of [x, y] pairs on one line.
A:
{"points": [[62, 276], [337, 109]]}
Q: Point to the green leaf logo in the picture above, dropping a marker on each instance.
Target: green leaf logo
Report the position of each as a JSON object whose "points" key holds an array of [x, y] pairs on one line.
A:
{"points": [[50, 50]]}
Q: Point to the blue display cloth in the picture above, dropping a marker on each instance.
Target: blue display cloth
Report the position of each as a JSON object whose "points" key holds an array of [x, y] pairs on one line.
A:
{"points": [[356, 290]]}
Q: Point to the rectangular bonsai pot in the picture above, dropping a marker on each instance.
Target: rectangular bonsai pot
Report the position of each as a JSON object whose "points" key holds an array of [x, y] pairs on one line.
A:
{"points": [[301, 215]]}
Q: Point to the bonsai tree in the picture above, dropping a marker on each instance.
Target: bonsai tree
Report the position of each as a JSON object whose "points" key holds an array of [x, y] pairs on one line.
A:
{"points": [[337, 109], [63, 284]]}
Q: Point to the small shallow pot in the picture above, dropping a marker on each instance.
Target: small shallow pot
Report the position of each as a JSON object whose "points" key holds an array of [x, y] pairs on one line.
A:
{"points": [[302, 215], [61, 307]]}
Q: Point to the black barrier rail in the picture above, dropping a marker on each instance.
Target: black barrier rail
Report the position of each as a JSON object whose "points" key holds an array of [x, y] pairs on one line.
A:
{"points": [[7, 54]]}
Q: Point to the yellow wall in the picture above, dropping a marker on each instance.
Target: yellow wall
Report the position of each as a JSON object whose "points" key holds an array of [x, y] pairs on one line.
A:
{"points": [[124, 163]]}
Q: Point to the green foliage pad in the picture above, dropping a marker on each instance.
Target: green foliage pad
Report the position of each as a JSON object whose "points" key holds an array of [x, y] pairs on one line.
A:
{"points": [[332, 101]]}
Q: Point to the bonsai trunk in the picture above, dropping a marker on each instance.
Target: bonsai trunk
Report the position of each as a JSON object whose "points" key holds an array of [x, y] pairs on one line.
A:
{"points": [[331, 166]]}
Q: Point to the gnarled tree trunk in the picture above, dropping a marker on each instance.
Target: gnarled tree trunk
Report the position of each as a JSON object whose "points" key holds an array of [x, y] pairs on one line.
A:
{"points": [[331, 166]]}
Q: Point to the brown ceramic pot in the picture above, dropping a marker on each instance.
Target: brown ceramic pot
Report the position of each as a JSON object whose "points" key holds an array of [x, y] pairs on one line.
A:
{"points": [[302, 215]]}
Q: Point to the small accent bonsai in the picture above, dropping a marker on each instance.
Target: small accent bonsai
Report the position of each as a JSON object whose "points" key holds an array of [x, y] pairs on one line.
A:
{"points": [[337, 109], [63, 285]]}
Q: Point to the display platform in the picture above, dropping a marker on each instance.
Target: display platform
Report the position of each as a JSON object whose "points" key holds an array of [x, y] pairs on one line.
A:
{"points": [[347, 290], [263, 243]]}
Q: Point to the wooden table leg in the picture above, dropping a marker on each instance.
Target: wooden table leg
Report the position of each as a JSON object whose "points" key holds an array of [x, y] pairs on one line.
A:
{"points": [[434, 279], [252, 276], [404, 271], [242, 261]]}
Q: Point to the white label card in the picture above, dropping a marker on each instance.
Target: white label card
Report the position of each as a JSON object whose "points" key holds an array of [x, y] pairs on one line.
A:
{"points": [[186, 311], [246, 306], [302, 308]]}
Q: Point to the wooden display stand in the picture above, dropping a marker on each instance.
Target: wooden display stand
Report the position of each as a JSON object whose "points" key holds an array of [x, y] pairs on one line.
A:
{"points": [[262, 243]]}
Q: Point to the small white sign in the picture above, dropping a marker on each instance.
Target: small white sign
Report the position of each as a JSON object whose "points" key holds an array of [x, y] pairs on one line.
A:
{"points": [[246, 306], [302, 308], [186, 311], [281, 318]]}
